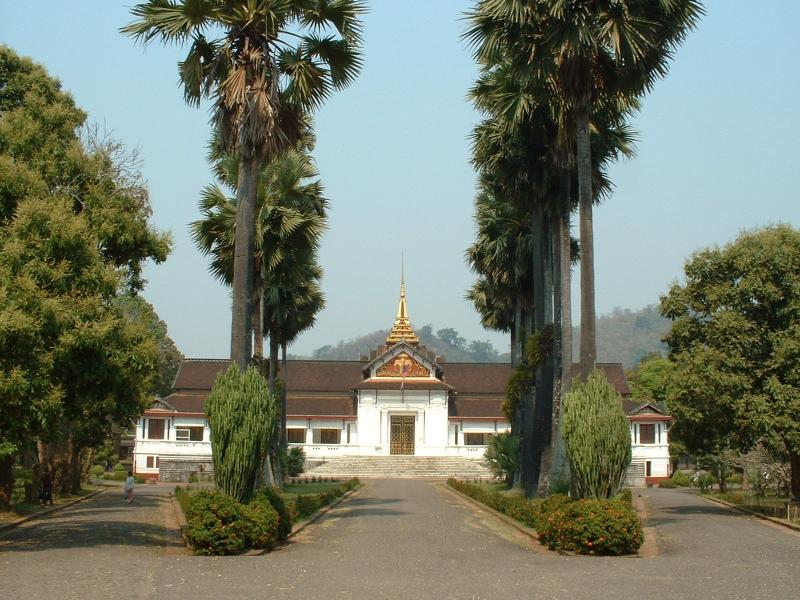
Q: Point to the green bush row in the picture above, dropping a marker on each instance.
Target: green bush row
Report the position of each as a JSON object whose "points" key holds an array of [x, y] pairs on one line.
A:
{"points": [[608, 527], [217, 524], [521, 509], [588, 526], [306, 504]]}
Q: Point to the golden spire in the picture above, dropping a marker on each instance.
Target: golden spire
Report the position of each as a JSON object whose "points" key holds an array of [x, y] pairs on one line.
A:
{"points": [[402, 330]]}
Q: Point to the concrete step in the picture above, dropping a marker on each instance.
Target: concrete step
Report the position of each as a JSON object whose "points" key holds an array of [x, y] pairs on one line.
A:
{"points": [[401, 467]]}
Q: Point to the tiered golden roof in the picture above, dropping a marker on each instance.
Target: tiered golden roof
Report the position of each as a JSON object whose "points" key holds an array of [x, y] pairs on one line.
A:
{"points": [[402, 330]]}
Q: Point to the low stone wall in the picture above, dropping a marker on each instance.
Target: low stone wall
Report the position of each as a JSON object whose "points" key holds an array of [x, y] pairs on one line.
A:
{"points": [[180, 469]]}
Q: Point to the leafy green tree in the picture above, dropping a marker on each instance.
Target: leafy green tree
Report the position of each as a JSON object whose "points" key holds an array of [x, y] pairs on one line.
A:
{"points": [[273, 62], [137, 310], [652, 378], [45, 148], [71, 363], [735, 344]]}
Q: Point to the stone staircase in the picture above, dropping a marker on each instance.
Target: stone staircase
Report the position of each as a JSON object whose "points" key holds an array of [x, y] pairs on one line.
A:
{"points": [[401, 467]]}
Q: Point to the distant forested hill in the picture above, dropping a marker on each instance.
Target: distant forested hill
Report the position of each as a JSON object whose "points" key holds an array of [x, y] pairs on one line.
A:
{"points": [[623, 336], [627, 336], [444, 342]]}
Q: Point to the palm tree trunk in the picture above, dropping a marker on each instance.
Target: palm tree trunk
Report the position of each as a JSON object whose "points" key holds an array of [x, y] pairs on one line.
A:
{"points": [[584, 158], [285, 375], [258, 328], [554, 288], [533, 418], [275, 438], [243, 267], [566, 299]]}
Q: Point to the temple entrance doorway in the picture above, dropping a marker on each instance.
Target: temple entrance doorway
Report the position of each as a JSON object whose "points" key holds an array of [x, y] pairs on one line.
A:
{"points": [[401, 440]]}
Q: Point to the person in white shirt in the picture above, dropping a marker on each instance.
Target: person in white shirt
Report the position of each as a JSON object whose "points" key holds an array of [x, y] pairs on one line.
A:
{"points": [[129, 487]]}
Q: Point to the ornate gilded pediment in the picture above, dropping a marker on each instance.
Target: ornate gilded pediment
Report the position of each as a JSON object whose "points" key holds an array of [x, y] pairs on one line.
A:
{"points": [[402, 365]]}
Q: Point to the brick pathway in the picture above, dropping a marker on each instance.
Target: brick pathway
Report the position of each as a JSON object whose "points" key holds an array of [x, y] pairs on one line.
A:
{"points": [[396, 539]]}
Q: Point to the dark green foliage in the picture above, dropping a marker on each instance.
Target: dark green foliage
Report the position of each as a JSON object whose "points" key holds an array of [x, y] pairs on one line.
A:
{"points": [[625, 496], [518, 508], [241, 414], [596, 436], [120, 467], [216, 524], [264, 523], [589, 526], [307, 504], [735, 344], [295, 461], [681, 479], [667, 483], [273, 497], [502, 456]]}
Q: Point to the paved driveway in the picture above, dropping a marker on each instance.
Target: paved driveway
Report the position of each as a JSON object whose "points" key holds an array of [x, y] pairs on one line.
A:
{"points": [[398, 539]]}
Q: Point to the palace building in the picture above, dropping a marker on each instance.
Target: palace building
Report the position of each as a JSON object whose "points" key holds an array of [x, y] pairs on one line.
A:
{"points": [[399, 400]]}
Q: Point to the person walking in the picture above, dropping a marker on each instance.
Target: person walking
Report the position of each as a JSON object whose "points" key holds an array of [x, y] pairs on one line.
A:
{"points": [[46, 491], [129, 487]]}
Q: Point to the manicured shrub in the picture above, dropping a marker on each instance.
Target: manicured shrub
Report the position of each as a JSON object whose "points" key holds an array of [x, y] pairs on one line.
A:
{"points": [[625, 496], [263, 522], [592, 526], [306, 504], [216, 524], [119, 467], [98, 470], [596, 436], [272, 496], [681, 479], [667, 483], [518, 508]]}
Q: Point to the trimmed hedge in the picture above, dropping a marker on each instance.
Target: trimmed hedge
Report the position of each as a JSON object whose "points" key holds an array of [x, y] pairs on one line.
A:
{"points": [[589, 526], [521, 509], [608, 527], [307, 504], [218, 524], [273, 496]]}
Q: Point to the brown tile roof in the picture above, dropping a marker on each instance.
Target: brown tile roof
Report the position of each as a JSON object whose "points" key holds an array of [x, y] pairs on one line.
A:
{"points": [[613, 372], [472, 408], [323, 375], [477, 378], [302, 375], [199, 373], [187, 403], [410, 384], [326, 406]]}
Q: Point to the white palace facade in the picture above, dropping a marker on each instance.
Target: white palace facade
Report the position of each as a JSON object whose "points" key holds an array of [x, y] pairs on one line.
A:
{"points": [[401, 399]]}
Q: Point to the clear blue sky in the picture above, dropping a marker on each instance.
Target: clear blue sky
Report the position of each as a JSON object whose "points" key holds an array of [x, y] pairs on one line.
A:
{"points": [[718, 153]]}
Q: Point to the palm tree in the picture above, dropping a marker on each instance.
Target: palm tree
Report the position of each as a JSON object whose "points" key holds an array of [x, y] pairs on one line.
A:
{"points": [[290, 222], [589, 52], [273, 62]]}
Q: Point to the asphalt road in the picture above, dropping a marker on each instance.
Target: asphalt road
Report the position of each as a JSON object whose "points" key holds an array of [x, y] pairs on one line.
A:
{"points": [[396, 539]]}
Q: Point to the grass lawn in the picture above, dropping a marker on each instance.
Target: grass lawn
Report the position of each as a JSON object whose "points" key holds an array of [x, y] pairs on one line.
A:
{"points": [[24, 509], [500, 487], [291, 491], [770, 505]]}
